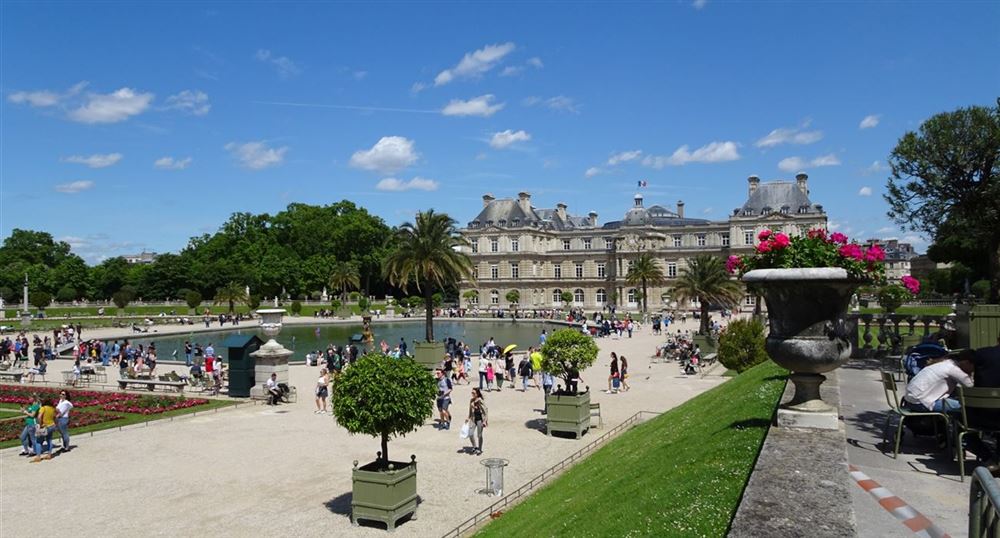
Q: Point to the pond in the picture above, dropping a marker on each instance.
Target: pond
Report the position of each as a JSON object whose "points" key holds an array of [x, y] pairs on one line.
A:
{"points": [[304, 338]]}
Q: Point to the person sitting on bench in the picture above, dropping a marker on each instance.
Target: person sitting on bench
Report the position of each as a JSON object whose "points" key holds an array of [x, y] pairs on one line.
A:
{"points": [[274, 390], [38, 370]]}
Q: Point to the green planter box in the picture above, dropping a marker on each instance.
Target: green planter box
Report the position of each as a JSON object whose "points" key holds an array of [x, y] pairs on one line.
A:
{"points": [[568, 413], [429, 354], [384, 496]]}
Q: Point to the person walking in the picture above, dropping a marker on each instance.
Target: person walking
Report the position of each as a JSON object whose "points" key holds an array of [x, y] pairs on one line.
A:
{"points": [[62, 419], [547, 382], [28, 433], [614, 370], [187, 353], [322, 391], [46, 424], [483, 361], [536, 365], [444, 387], [478, 419], [490, 375], [623, 372], [524, 368]]}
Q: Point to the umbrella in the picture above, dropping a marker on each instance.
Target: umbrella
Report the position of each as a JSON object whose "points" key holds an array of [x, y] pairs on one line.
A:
{"points": [[509, 348]]}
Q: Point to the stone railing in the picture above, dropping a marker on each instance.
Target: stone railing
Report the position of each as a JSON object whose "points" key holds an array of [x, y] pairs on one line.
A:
{"points": [[879, 335]]}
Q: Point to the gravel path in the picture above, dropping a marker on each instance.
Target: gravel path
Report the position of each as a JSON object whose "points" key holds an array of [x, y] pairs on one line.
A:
{"points": [[266, 471]]}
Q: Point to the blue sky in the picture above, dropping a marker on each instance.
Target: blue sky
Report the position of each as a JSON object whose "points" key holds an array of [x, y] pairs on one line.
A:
{"points": [[127, 126]]}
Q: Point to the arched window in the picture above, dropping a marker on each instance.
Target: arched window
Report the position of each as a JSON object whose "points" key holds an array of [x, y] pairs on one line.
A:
{"points": [[494, 297], [474, 298], [602, 296], [578, 295], [556, 295], [631, 295]]}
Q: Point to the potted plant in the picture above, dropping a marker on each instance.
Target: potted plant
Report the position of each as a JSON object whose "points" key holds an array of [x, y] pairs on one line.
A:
{"points": [[807, 282], [427, 254], [383, 397], [892, 296], [565, 354]]}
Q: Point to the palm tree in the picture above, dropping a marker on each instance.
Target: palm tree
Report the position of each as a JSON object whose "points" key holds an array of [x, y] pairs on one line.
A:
{"points": [[344, 277], [427, 254], [231, 293], [647, 272], [706, 279]]}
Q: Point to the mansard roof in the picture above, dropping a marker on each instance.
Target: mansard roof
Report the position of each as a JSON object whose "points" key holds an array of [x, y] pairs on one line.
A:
{"points": [[509, 213], [773, 196]]}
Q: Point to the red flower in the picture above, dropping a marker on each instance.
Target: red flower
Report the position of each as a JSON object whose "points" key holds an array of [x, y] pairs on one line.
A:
{"points": [[781, 240], [852, 250], [874, 254], [764, 247], [911, 284], [763, 235], [817, 233], [733, 263], [838, 237]]}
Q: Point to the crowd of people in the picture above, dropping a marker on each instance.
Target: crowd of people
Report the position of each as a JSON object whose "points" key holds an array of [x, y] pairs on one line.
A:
{"points": [[42, 418]]}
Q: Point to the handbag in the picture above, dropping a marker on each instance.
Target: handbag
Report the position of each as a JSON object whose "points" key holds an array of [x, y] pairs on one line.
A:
{"points": [[464, 432], [41, 431]]}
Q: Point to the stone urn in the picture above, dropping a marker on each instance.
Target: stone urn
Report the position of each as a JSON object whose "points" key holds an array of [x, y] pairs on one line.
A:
{"points": [[808, 335]]}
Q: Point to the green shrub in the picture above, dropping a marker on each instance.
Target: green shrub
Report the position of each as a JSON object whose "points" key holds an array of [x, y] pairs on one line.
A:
{"points": [[296, 307], [741, 345], [193, 299], [568, 351], [66, 294], [981, 288], [892, 297]]}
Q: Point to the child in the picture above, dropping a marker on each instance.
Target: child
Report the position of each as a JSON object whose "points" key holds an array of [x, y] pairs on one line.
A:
{"points": [[489, 375]]}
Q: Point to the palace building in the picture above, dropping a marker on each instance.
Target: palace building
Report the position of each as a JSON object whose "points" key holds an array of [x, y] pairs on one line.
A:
{"points": [[542, 253]]}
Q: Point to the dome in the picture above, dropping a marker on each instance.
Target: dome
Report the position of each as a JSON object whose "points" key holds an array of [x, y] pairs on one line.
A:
{"points": [[636, 216]]}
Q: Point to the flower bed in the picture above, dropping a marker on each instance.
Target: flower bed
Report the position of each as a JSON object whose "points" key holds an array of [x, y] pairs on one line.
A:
{"points": [[21, 395], [11, 429], [153, 405]]}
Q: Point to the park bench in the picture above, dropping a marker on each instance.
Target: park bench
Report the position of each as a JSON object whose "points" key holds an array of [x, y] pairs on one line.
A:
{"points": [[16, 375], [710, 359], [260, 392], [70, 378], [150, 384]]}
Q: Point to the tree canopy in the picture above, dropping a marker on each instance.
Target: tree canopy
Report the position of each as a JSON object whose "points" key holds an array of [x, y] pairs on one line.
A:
{"points": [[706, 279], [568, 352], [945, 181], [645, 272]]}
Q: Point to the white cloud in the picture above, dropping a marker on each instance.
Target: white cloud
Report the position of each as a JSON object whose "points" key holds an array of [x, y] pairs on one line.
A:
{"points": [[710, 153], [256, 155], [504, 139], [392, 184], [562, 103], [869, 121], [593, 171], [282, 64], [390, 154], [511, 70], [475, 63], [477, 106], [794, 164], [875, 168], [865, 191], [418, 87], [790, 135], [531, 100], [170, 163], [45, 98], [192, 102], [624, 157], [74, 187], [698, 4], [536, 62], [112, 107], [96, 160]]}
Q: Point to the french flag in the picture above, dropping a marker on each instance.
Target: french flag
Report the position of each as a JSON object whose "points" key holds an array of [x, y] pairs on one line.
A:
{"points": [[642, 183]]}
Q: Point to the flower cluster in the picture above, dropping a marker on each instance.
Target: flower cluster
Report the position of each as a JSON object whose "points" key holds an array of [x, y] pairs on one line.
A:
{"points": [[911, 284], [21, 395], [154, 405], [11, 429], [815, 249]]}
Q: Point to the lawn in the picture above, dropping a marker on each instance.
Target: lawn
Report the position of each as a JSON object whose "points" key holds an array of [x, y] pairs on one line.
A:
{"points": [[680, 474], [100, 410]]}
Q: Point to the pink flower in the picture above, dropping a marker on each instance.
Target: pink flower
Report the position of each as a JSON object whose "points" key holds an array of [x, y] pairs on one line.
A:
{"points": [[733, 263], [874, 254], [764, 247], [763, 235], [838, 237], [781, 240], [852, 250], [817, 233], [911, 284]]}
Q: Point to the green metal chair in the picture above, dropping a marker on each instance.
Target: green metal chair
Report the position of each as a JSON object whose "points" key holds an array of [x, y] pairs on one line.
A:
{"points": [[892, 398], [972, 398]]}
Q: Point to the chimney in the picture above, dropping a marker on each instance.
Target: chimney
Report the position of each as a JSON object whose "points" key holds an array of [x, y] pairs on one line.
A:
{"points": [[754, 182], [524, 200], [680, 208], [561, 210], [593, 218], [637, 200], [487, 198], [802, 180]]}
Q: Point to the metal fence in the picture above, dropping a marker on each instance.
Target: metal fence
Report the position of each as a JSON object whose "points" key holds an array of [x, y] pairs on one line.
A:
{"points": [[512, 498], [984, 503]]}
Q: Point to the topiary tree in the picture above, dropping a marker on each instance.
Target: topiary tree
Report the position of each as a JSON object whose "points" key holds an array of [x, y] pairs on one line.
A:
{"points": [[193, 299], [566, 297], [892, 297], [121, 298], [66, 294], [336, 304], [566, 352], [253, 301], [40, 299], [513, 297], [363, 304], [296, 308], [741, 344], [383, 397], [981, 288]]}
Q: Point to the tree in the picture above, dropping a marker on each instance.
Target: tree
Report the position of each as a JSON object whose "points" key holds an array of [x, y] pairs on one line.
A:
{"points": [[384, 398], [363, 304], [427, 256], [706, 280], [567, 352], [741, 344], [231, 293], [121, 298], [945, 181], [513, 297], [193, 299], [66, 294], [645, 271], [344, 277], [566, 297], [296, 308], [471, 297], [40, 299], [253, 302]]}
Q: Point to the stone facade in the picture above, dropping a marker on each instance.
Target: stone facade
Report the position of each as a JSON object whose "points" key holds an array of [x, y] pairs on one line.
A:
{"points": [[541, 253]]}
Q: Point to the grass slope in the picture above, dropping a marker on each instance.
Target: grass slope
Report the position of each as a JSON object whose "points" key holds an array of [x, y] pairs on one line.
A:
{"points": [[680, 474]]}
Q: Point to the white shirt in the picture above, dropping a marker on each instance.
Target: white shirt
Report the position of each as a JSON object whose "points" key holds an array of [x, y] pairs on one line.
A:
{"points": [[935, 382], [271, 383], [63, 407]]}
